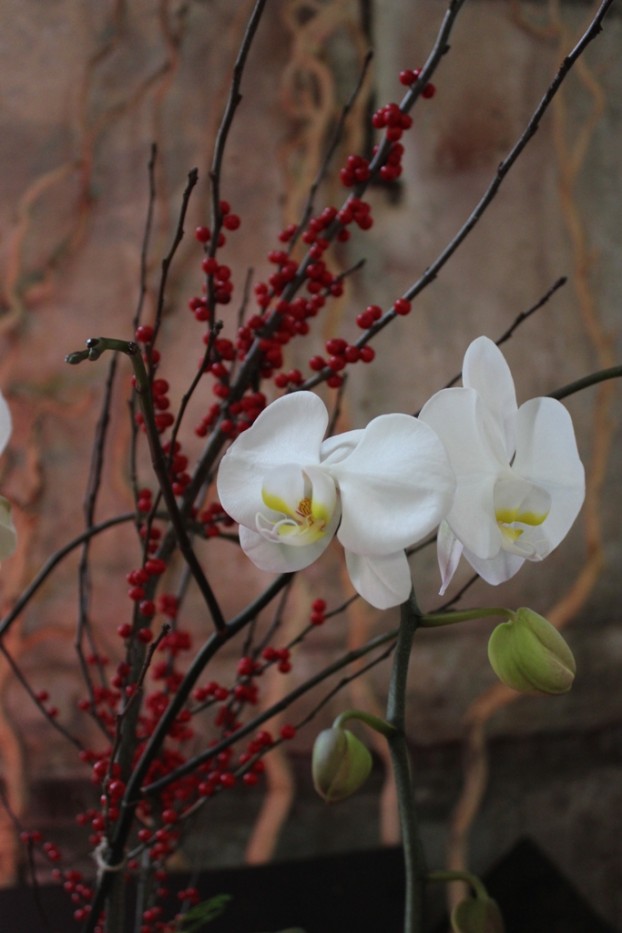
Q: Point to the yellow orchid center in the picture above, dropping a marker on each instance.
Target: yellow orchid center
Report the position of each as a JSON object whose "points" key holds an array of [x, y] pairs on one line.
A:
{"points": [[519, 505], [304, 507], [510, 520]]}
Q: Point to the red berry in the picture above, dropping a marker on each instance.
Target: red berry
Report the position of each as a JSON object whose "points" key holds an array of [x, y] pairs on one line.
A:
{"points": [[402, 306], [144, 333], [317, 363], [210, 265], [202, 234], [336, 346]]}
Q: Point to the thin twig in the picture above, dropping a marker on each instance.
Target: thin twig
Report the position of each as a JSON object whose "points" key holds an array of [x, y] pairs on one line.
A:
{"points": [[193, 177], [502, 171], [83, 628], [144, 250], [518, 320], [227, 120], [53, 561], [331, 149], [344, 661], [52, 720]]}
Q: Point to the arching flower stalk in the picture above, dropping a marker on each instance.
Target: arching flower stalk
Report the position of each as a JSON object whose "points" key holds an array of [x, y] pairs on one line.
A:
{"points": [[378, 490]]}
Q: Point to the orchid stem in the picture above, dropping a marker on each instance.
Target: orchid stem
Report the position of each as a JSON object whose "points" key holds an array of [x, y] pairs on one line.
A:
{"points": [[435, 619], [374, 722], [414, 857]]}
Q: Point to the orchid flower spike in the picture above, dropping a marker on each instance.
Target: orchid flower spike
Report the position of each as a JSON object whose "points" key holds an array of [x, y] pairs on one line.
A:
{"points": [[7, 529], [520, 480], [378, 490]]}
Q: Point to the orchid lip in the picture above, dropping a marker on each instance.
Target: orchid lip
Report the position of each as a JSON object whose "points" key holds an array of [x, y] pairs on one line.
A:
{"points": [[301, 516]]}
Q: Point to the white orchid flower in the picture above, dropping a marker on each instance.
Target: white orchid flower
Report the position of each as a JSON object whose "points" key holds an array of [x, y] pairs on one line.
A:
{"points": [[520, 480], [378, 490], [7, 529]]}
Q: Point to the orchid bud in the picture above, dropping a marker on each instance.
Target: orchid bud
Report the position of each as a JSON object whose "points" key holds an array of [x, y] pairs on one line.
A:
{"points": [[528, 654], [477, 915], [340, 764]]}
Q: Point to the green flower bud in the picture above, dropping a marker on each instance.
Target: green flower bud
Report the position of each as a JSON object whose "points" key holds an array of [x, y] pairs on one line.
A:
{"points": [[477, 915], [340, 764], [528, 654]]}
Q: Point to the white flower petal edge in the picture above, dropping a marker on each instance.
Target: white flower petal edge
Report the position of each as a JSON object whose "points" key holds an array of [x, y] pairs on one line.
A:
{"points": [[383, 581], [6, 425], [380, 490], [8, 537], [485, 369], [520, 482]]}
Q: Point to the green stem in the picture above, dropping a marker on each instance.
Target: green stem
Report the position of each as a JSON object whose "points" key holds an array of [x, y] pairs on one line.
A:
{"points": [[374, 722], [414, 858], [602, 375], [436, 619], [475, 883]]}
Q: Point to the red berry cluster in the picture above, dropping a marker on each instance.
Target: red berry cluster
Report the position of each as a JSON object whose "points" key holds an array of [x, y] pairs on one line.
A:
{"points": [[392, 118], [339, 354], [410, 75], [318, 612]]}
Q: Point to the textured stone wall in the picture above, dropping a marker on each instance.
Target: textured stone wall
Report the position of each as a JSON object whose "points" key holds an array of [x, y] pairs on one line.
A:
{"points": [[84, 91]]}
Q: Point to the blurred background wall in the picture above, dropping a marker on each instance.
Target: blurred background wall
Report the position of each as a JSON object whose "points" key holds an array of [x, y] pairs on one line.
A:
{"points": [[85, 89]]}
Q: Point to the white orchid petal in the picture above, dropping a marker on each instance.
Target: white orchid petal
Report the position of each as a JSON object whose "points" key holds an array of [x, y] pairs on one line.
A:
{"points": [[6, 424], [459, 417], [485, 369], [461, 420], [383, 581], [497, 569], [449, 551], [8, 535], [289, 431], [546, 455], [395, 486], [275, 557], [339, 446]]}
